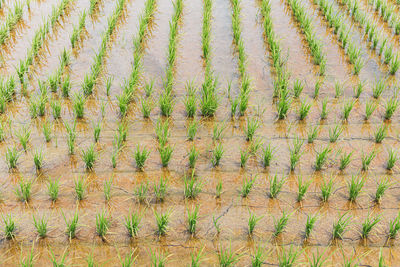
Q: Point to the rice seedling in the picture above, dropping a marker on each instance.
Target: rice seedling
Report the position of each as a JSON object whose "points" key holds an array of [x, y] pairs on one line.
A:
{"points": [[310, 224], [141, 191], [294, 159], [366, 159], [369, 223], [158, 260], [160, 189], [89, 156], [53, 188], [312, 134], [275, 185], [227, 257], [148, 88], [283, 106], [80, 188], [324, 110], [192, 218], [10, 227], [165, 154], [370, 107], [355, 187], [162, 221], [394, 64], [391, 106], [253, 220], [297, 88], [317, 259], [218, 189], [55, 108], [102, 224], [192, 129], [340, 226], [193, 156], [358, 89], [66, 86], [247, 185], [288, 258], [107, 188], [216, 224], [252, 126], [335, 132], [166, 104], [71, 131], [71, 224], [218, 131], [217, 154], [347, 107], [23, 190], [132, 222], [196, 258], [40, 225], [28, 260], [381, 133], [317, 88], [383, 185], [378, 88], [304, 110], [345, 159], [393, 158], [38, 159], [128, 260], [338, 90], [321, 158], [394, 227], [24, 136], [141, 157], [258, 257], [12, 156], [96, 131], [302, 188], [78, 104], [327, 188], [281, 223], [192, 186], [190, 101]]}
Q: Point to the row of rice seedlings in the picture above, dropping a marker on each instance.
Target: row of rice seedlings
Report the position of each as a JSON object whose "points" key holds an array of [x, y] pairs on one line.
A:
{"points": [[90, 79], [334, 19], [387, 12], [386, 49], [281, 80], [314, 44], [166, 101], [11, 21], [245, 88], [38, 40], [130, 85], [209, 99]]}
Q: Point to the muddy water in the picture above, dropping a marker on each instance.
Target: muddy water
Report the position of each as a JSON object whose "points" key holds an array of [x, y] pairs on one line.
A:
{"points": [[231, 209]]}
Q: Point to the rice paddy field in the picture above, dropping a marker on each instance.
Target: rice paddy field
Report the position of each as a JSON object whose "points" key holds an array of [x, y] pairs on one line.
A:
{"points": [[199, 133]]}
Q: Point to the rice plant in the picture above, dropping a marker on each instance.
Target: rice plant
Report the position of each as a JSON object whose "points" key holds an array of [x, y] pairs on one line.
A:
{"points": [[390, 107], [24, 136], [281, 223], [335, 132], [258, 257], [392, 159], [132, 222], [324, 110], [96, 131], [89, 156], [304, 109], [312, 134], [10, 227], [78, 104], [394, 227], [378, 88], [366, 159], [275, 185], [302, 188], [297, 88], [247, 185], [55, 109], [217, 154], [268, 153], [358, 89], [192, 218], [158, 260], [23, 190], [381, 133], [310, 224], [355, 187], [192, 186], [370, 107], [345, 159], [12, 156], [327, 188], [347, 107], [165, 154], [141, 191], [107, 188], [227, 257], [252, 126], [128, 260], [193, 155], [40, 225], [253, 219], [160, 189], [340, 226], [383, 185], [141, 157], [369, 223], [321, 158], [218, 189], [162, 221], [218, 131], [80, 188], [196, 258], [288, 258], [192, 129], [338, 90], [102, 224], [71, 224]]}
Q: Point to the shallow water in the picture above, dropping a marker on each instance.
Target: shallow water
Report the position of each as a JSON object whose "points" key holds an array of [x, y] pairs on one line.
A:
{"points": [[231, 209]]}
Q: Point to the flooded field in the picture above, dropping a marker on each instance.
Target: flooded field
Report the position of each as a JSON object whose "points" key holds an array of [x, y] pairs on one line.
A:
{"points": [[199, 132]]}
